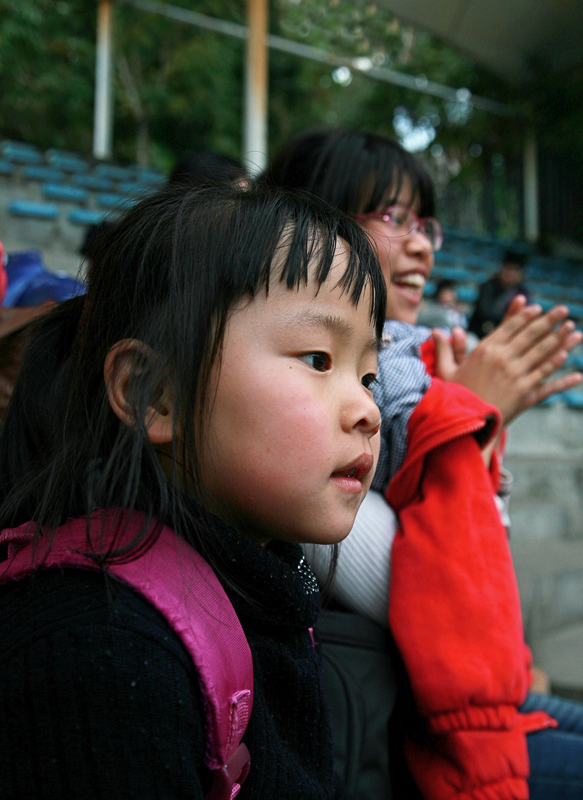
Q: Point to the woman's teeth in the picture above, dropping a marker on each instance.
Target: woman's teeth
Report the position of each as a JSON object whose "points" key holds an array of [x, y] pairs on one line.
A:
{"points": [[414, 280]]}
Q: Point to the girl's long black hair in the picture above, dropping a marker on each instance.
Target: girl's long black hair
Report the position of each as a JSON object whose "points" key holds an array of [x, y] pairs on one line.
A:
{"points": [[354, 171], [166, 274]]}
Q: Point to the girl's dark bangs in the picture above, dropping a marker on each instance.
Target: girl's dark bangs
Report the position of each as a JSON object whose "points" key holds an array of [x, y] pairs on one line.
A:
{"points": [[310, 240], [311, 254]]}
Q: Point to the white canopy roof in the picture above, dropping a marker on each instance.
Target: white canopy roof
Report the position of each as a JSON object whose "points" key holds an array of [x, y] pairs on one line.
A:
{"points": [[502, 35]]}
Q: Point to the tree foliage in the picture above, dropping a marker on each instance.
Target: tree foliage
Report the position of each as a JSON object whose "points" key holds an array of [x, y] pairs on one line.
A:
{"points": [[47, 72], [178, 87]]}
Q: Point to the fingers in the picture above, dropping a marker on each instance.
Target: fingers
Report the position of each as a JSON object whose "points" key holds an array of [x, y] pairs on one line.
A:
{"points": [[529, 334], [445, 361], [545, 390], [551, 344], [540, 327], [513, 324], [516, 304], [459, 343]]}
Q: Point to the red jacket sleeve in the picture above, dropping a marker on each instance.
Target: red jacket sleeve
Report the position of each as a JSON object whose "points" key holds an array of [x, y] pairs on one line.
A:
{"points": [[454, 608]]}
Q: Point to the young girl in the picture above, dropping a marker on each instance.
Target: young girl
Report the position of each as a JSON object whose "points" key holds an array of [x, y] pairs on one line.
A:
{"points": [[216, 378], [474, 729]]}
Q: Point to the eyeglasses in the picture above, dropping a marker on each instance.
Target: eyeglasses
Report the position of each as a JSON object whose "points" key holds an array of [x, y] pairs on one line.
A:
{"points": [[404, 221]]}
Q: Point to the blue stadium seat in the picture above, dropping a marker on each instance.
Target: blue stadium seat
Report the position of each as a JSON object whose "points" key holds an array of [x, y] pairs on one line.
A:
{"points": [[552, 400], [39, 173], [475, 262], [453, 273], [575, 360], [573, 399], [20, 153], [429, 290], [68, 162], [467, 294], [444, 257], [113, 173], [60, 191], [6, 168], [114, 201], [149, 176], [93, 183], [553, 290], [545, 303], [27, 208], [136, 188], [86, 216]]}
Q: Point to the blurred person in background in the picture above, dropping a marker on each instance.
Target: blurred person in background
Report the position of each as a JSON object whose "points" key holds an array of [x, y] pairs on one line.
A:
{"points": [[204, 166], [496, 294], [443, 309]]}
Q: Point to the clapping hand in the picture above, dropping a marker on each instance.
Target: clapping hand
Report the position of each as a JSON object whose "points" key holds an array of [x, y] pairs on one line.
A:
{"points": [[509, 367]]}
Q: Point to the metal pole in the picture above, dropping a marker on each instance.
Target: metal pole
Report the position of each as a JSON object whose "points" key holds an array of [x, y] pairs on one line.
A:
{"points": [[256, 82], [531, 209], [360, 65], [103, 110]]}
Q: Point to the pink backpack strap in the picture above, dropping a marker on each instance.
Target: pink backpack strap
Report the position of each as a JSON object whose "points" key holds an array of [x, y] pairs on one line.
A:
{"points": [[177, 581]]}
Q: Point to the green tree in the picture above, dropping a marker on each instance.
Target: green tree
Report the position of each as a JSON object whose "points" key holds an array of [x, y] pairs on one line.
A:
{"points": [[46, 72]]}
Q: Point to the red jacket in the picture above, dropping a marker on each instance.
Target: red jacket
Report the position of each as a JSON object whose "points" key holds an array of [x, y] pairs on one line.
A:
{"points": [[454, 607]]}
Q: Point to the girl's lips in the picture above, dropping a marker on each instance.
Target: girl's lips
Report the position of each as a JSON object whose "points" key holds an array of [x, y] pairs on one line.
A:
{"points": [[356, 470]]}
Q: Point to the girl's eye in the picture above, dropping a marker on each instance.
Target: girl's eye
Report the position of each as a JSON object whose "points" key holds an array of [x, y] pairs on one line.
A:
{"points": [[318, 361], [369, 380]]}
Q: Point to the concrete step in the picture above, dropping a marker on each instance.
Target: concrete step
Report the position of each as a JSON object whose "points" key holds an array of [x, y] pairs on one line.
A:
{"points": [[550, 580]]}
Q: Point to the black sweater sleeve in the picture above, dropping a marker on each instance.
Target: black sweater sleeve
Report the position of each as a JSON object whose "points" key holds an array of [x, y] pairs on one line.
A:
{"points": [[98, 696]]}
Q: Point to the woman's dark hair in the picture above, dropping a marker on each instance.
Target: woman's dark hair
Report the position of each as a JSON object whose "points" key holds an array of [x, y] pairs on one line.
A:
{"points": [[355, 172], [167, 275]]}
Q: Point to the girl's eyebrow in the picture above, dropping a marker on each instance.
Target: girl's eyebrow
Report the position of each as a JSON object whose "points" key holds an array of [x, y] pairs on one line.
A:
{"points": [[330, 322]]}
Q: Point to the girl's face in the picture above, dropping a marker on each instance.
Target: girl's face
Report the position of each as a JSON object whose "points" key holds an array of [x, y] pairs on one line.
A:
{"points": [[406, 262], [293, 436]]}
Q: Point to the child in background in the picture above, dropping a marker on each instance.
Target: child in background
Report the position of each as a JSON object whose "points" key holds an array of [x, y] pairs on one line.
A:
{"points": [[443, 309], [216, 379]]}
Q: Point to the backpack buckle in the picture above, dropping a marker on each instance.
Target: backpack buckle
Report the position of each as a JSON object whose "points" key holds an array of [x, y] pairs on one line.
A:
{"points": [[228, 779]]}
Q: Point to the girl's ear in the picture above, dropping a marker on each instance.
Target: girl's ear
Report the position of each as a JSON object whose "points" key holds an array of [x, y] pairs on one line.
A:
{"points": [[119, 365]]}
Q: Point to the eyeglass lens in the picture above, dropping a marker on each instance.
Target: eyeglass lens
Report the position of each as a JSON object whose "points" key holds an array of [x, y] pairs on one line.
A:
{"points": [[403, 219]]}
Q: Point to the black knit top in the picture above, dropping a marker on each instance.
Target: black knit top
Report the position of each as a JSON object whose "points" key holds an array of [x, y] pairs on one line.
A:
{"points": [[99, 698]]}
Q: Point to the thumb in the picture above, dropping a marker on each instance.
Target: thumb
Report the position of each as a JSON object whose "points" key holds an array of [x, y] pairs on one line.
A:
{"points": [[445, 360], [459, 343]]}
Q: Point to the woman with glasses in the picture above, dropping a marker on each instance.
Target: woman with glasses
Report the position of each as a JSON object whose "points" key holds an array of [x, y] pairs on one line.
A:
{"points": [[385, 188], [438, 548]]}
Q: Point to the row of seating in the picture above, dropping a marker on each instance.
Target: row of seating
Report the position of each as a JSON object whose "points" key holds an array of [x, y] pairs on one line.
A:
{"points": [[84, 193], [45, 181], [55, 164], [470, 260]]}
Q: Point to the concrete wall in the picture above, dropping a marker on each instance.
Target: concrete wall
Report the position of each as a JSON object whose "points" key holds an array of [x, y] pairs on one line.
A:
{"points": [[545, 455]]}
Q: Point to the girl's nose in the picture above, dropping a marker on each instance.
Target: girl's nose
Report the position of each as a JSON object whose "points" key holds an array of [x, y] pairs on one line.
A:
{"points": [[362, 414]]}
